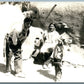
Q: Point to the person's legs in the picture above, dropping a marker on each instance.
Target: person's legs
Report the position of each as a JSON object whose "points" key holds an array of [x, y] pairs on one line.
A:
{"points": [[8, 61], [56, 68], [45, 64], [47, 56], [58, 73], [18, 64]]}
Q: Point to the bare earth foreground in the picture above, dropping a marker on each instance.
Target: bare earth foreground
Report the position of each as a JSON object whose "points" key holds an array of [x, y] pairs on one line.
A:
{"points": [[73, 70]]}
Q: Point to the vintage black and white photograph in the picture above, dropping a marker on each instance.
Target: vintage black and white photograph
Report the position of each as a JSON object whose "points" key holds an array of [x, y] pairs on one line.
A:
{"points": [[41, 41]]}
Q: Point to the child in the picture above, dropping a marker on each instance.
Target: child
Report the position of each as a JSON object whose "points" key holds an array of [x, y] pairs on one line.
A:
{"points": [[57, 60]]}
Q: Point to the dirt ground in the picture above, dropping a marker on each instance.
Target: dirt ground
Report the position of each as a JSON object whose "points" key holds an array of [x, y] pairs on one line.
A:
{"points": [[72, 70]]}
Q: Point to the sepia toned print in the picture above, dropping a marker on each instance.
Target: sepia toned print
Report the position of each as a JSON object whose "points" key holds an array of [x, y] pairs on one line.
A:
{"points": [[41, 41]]}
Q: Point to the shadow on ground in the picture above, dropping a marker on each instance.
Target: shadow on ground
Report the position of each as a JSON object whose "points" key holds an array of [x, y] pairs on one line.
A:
{"points": [[2, 68], [46, 74]]}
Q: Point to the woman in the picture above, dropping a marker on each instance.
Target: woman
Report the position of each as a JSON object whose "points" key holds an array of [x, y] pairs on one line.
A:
{"points": [[52, 37]]}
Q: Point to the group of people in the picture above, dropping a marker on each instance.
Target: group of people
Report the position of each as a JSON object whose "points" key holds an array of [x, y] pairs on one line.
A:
{"points": [[51, 46], [50, 50]]}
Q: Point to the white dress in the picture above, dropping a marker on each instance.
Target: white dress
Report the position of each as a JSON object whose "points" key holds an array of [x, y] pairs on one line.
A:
{"points": [[51, 41]]}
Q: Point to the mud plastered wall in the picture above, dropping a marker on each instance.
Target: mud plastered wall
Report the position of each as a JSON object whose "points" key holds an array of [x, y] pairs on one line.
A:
{"points": [[71, 13]]}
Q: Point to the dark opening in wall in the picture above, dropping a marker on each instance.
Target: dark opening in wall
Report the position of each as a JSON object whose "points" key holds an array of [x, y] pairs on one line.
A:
{"points": [[82, 33]]}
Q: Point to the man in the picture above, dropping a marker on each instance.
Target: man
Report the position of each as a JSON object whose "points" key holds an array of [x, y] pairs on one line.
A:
{"points": [[14, 42]]}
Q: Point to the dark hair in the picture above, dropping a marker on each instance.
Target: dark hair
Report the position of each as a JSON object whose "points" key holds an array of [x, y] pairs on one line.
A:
{"points": [[28, 20], [59, 27], [50, 25]]}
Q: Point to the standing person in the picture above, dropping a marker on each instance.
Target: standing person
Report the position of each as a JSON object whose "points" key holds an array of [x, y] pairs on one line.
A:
{"points": [[52, 37], [57, 60], [13, 47], [66, 33]]}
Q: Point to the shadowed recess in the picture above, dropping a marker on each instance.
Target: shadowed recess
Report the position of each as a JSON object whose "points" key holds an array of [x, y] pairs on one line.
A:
{"points": [[46, 74], [82, 33]]}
